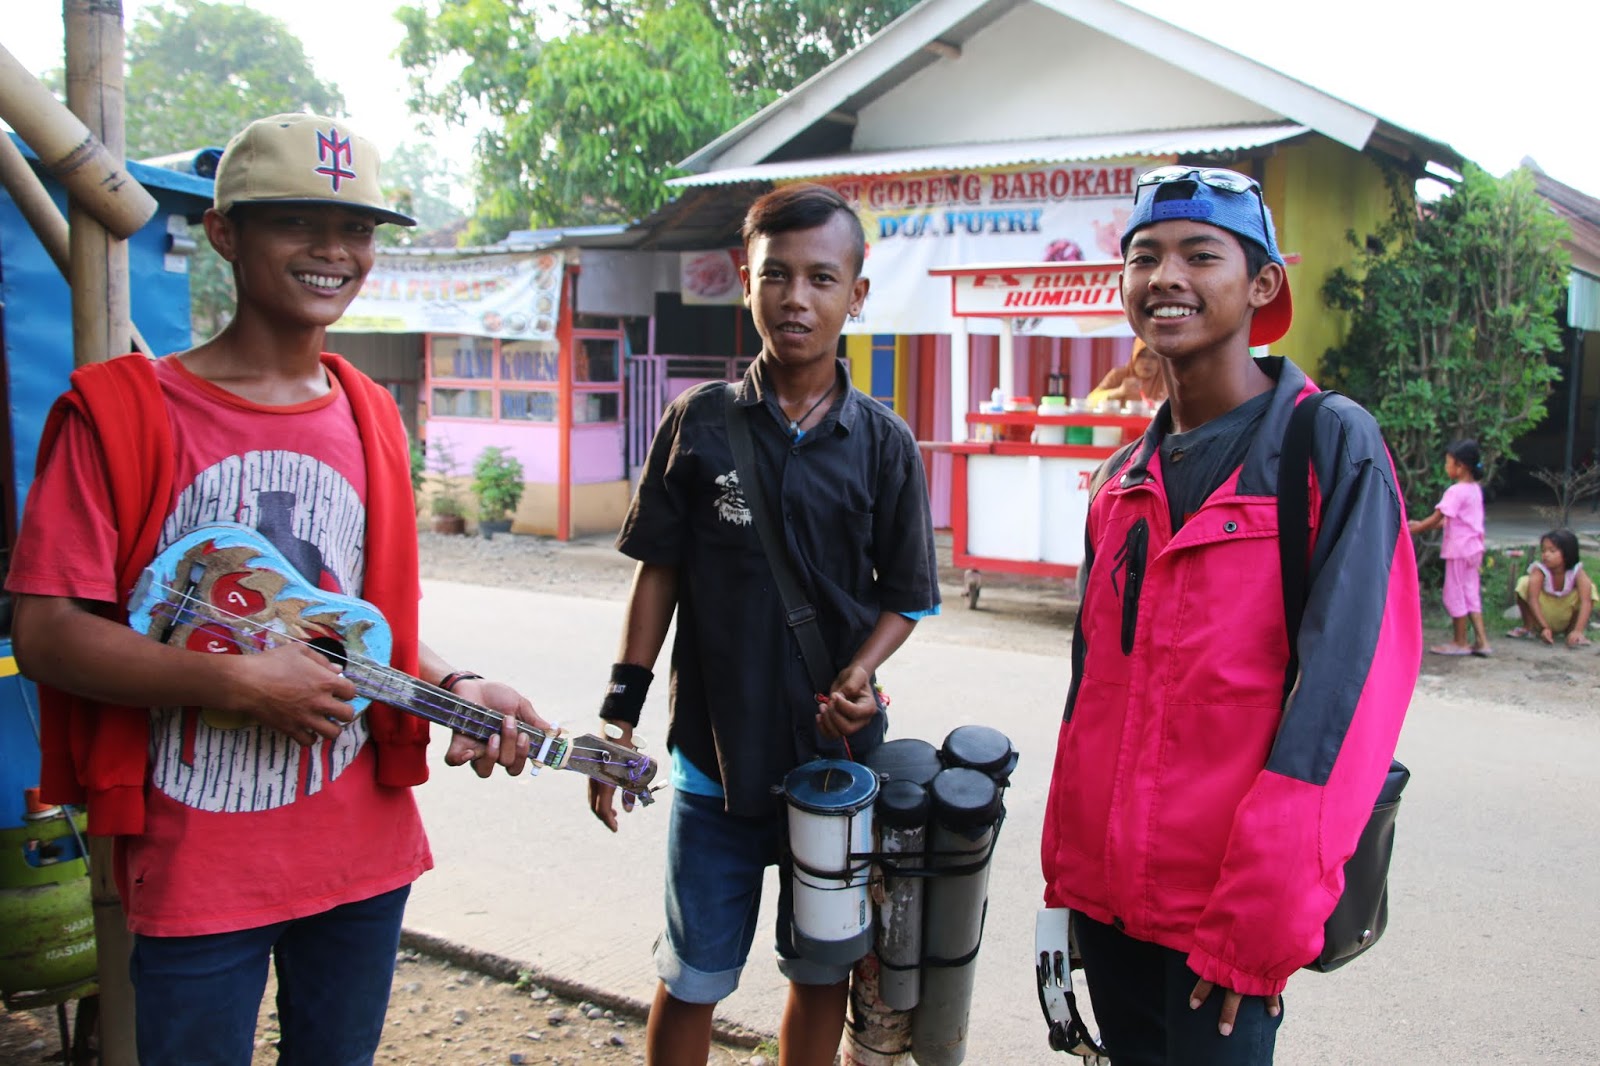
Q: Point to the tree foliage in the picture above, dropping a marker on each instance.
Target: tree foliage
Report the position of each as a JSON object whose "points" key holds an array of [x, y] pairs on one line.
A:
{"points": [[586, 124], [774, 45], [1453, 321], [418, 182], [199, 72]]}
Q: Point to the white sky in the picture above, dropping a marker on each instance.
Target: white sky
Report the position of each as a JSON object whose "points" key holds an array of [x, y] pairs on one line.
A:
{"points": [[1496, 82]]}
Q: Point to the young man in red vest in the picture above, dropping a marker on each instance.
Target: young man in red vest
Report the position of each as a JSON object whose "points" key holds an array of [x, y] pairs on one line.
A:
{"points": [[256, 818]]}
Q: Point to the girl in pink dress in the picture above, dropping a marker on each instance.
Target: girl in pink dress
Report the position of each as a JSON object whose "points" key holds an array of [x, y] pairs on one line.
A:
{"points": [[1460, 512]]}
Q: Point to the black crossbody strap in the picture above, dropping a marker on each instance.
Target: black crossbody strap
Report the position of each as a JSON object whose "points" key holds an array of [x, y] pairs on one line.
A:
{"points": [[1294, 524], [798, 612]]}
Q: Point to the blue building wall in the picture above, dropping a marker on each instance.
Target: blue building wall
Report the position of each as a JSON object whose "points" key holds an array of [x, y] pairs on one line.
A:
{"points": [[36, 333]]}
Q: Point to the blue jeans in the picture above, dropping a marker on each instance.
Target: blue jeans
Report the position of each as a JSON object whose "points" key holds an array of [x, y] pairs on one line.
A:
{"points": [[1140, 993], [197, 997], [715, 865]]}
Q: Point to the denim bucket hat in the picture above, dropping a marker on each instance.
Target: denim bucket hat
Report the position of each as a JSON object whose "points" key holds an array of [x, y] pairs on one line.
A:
{"points": [[1222, 198]]}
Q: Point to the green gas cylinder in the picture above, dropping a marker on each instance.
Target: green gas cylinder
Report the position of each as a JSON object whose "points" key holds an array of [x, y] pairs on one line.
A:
{"points": [[46, 921]]}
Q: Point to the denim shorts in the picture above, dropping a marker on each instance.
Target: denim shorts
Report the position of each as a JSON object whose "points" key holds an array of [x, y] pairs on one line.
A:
{"points": [[715, 865]]}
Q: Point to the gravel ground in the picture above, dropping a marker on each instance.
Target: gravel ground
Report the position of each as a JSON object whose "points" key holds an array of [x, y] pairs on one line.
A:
{"points": [[463, 1011]]}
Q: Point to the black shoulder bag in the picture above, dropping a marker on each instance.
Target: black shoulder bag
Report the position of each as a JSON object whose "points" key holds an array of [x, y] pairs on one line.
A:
{"points": [[1362, 913], [798, 611]]}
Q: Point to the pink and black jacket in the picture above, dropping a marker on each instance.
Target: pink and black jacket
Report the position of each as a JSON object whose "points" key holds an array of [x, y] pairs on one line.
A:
{"points": [[1190, 806]]}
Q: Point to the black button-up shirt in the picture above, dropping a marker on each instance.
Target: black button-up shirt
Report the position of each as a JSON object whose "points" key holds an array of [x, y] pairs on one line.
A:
{"points": [[851, 499]]}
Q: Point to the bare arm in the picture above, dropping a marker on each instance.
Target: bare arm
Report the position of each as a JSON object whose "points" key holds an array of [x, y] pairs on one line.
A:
{"points": [[1541, 628], [60, 642], [1580, 624], [510, 748], [851, 704], [1427, 525], [651, 603]]}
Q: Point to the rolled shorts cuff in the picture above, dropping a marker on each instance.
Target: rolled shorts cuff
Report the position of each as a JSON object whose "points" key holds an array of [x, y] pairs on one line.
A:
{"points": [[688, 984], [808, 972]]}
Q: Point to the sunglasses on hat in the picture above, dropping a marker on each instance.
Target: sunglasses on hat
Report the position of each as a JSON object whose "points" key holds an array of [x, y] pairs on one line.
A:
{"points": [[1214, 177]]}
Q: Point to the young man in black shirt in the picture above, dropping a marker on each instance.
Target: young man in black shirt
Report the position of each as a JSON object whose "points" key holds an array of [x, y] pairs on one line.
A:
{"points": [[842, 475]]}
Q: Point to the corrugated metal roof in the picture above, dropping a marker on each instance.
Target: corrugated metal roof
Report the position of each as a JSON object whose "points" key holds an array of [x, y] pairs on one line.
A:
{"points": [[1010, 153]]}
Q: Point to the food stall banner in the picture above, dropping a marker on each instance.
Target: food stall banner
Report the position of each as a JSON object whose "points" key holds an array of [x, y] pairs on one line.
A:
{"points": [[1034, 213], [513, 296]]}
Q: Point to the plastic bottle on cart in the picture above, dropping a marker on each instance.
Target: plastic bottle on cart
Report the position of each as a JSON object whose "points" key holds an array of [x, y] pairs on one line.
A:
{"points": [[1051, 405]]}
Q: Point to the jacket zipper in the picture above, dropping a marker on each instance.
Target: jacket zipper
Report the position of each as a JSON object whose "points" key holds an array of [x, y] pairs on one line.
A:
{"points": [[1133, 558]]}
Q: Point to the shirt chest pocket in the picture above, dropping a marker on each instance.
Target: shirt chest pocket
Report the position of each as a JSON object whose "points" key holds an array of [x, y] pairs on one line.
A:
{"points": [[1227, 594]]}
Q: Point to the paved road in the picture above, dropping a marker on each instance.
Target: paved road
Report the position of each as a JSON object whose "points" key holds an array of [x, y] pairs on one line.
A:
{"points": [[1492, 956]]}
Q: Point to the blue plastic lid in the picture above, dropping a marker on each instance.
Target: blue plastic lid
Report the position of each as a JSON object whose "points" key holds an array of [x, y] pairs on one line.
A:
{"points": [[830, 786]]}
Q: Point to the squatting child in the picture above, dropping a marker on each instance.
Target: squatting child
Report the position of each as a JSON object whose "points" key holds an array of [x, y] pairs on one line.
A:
{"points": [[1555, 595]]}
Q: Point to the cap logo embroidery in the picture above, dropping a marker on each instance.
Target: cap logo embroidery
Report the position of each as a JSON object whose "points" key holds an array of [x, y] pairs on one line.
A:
{"points": [[336, 156]]}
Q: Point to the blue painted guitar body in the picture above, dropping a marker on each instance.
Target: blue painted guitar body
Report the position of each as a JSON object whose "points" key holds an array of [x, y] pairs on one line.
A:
{"points": [[224, 589]]}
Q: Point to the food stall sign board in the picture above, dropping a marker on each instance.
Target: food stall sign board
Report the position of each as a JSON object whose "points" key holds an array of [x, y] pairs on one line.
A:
{"points": [[1027, 290]]}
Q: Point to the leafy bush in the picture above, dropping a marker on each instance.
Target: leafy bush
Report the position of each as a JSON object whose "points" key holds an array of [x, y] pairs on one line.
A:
{"points": [[1453, 319], [446, 499], [497, 483]]}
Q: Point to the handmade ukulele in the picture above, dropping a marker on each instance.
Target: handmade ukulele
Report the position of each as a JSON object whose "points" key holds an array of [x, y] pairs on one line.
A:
{"points": [[225, 589]]}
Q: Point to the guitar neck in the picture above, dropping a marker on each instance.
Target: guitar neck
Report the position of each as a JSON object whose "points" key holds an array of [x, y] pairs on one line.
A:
{"points": [[441, 707]]}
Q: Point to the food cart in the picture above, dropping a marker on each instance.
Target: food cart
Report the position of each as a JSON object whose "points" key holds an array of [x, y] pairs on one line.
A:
{"points": [[1019, 494]]}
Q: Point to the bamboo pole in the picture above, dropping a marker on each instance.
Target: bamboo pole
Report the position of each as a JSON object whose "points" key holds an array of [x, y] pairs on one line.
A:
{"points": [[33, 201], [99, 261], [73, 155], [98, 275]]}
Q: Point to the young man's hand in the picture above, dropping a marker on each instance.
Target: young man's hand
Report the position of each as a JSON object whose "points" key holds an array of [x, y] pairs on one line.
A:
{"points": [[1230, 1004], [602, 797], [509, 748], [293, 690], [848, 705]]}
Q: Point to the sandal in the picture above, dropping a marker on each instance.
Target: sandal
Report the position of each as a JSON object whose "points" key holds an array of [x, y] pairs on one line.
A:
{"points": [[1519, 632], [1483, 653], [1449, 649]]}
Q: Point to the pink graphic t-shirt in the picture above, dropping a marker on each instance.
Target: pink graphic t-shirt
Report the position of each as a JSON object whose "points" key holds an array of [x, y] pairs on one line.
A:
{"points": [[1462, 507], [244, 827]]}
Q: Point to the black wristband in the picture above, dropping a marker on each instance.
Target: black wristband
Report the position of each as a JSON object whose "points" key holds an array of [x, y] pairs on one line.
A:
{"points": [[625, 694], [451, 679]]}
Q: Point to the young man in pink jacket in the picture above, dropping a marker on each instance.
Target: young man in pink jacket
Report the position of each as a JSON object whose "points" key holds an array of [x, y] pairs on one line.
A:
{"points": [[1198, 823]]}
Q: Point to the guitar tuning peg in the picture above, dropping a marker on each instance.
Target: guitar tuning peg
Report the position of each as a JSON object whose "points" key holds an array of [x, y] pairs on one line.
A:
{"points": [[613, 731], [638, 741]]}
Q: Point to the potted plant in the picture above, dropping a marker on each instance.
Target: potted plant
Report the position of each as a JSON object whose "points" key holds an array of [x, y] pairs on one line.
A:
{"points": [[497, 484], [445, 504]]}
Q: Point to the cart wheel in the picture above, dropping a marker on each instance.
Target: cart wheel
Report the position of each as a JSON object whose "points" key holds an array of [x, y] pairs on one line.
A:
{"points": [[974, 586]]}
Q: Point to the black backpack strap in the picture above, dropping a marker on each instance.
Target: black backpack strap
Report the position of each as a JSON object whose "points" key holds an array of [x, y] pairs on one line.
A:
{"points": [[1295, 524], [798, 611]]}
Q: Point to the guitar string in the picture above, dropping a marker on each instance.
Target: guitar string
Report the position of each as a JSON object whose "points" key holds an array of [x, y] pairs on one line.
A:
{"points": [[396, 682], [401, 684], [391, 680]]}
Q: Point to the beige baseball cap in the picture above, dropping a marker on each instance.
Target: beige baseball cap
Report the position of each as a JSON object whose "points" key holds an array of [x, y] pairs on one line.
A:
{"points": [[302, 159]]}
